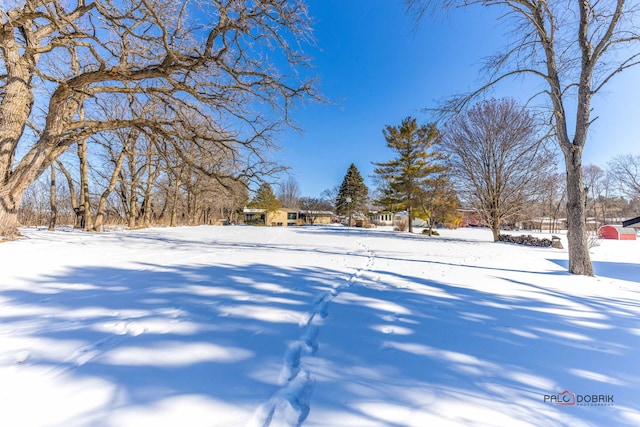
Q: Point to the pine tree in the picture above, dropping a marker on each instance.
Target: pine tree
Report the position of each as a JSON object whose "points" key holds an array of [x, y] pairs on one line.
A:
{"points": [[408, 177], [353, 195], [265, 199]]}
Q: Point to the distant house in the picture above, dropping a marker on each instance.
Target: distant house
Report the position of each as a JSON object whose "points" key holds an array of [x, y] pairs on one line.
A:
{"points": [[389, 218], [285, 217], [280, 218], [470, 218], [616, 232], [315, 217], [544, 224], [382, 218]]}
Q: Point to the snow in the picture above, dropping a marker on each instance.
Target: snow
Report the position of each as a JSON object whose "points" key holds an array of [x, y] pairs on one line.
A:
{"points": [[313, 326]]}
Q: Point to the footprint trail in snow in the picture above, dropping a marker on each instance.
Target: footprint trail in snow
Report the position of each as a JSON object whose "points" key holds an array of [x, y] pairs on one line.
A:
{"points": [[291, 403]]}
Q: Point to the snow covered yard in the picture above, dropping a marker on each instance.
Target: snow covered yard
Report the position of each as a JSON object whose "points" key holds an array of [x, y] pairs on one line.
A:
{"points": [[319, 326]]}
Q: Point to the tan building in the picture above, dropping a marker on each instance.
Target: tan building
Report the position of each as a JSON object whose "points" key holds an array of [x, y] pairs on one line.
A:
{"points": [[285, 217], [315, 217], [544, 224]]}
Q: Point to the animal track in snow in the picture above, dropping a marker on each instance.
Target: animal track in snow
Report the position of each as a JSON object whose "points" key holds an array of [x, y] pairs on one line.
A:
{"points": [[290, 405]]}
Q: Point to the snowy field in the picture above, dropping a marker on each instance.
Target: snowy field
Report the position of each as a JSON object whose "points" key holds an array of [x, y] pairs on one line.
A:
{"points": [[314, 326]]}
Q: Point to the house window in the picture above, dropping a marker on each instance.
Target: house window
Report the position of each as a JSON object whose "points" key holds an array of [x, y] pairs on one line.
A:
{"points": [[291, 224], [279, 224], [292, 215], [250, 217]]}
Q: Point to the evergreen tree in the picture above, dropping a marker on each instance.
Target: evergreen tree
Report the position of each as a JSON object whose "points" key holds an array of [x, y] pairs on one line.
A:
{"points": [[265, 199], [353, 195], [413, 173]]}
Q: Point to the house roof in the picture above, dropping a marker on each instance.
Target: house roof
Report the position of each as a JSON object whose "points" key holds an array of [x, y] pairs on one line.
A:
{"points": [[633, 222], [312, 212], [545, 219], [248, 210]]}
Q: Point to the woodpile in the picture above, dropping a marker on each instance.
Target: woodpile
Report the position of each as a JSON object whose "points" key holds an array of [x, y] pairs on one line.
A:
{"points": [[528, 240]]}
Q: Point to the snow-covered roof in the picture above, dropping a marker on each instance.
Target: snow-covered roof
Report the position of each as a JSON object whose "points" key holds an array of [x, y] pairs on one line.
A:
{"points": [[312, 212], [248, 210]]}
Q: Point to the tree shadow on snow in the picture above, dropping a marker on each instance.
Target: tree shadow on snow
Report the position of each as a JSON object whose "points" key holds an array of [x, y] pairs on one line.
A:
{"points": [[393, 349], [156, 334], [613, 270], [425, 352]]}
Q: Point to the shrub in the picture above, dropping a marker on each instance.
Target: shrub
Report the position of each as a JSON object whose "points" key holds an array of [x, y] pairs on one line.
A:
{"points": [[401, 223]]}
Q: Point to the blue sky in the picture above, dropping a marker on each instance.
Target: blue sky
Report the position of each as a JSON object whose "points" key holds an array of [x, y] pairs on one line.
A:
{"points": [[376, 69]]}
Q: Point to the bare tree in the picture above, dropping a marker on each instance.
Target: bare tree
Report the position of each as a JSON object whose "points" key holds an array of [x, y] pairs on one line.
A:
{"points": [[84, 204], [289, 193], [52, 199], [211, 58], [116, 160], [36, 204], [594, 184], [331, 195], [575, 47], [73, 199], [625, 170], [314, 207], [497, 156], [552, 198], [608, 199]]}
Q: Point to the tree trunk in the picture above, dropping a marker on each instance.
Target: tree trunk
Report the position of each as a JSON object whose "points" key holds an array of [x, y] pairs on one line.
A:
{"points": [[72, 192], [174, 208], [494, 222], [495, 231], [52, 200], [579, 259], [102, 204], [132, 196], [152, 175], [133, 206], [410, 228], [9, 215], [85, 205], [192, 208], [16, 104]]}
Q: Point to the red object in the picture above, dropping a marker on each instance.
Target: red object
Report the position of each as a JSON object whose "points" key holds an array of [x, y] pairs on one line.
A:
{"points": [[616, 232]]}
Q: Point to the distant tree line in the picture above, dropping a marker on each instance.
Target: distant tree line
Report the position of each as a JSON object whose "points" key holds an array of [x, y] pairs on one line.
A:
{"points": [[493, 159]]}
